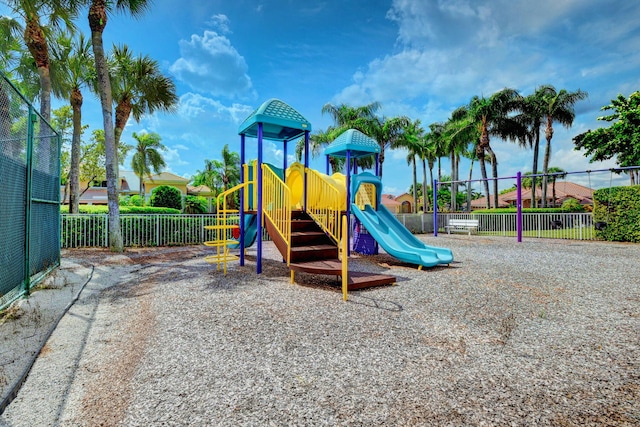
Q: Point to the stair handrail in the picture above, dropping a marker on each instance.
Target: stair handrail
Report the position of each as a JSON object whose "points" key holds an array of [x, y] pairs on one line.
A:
{"points": [[324, 203], [276, 205]]}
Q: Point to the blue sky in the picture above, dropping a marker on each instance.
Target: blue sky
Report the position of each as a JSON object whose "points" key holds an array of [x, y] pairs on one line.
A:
{"points": [[420, 58]]}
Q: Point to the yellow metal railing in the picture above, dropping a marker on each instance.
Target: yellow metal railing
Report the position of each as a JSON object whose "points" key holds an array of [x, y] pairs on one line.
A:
{"points": [[276, 205], [228, 218], [366, 196], [325, 202]]}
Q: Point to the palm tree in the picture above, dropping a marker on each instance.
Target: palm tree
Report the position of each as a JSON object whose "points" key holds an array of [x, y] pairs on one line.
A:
{"points": [[428, 155], [491, 116], [411, 139], [37, 37], [458, 133], [229, 169], [344, 115], [138, 87], [385, 131], [558, 107], [76, 73], [97, 22], [209, 176], [556, 173], [317, 141], [532, 114], [147, 157]]}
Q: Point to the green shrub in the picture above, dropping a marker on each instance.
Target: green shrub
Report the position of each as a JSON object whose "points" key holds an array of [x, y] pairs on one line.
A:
{"points": [[195, 205], [617, 209], [166, 196], [572, 205], [103, 209], [132, 200]]}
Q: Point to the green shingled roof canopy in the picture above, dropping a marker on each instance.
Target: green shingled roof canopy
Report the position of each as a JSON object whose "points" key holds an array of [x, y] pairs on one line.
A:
{"points": [[280, 122], [354, 141]]}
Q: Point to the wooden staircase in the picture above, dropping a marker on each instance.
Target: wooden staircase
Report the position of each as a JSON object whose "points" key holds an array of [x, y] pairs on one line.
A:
{"points": [[312, 251]]}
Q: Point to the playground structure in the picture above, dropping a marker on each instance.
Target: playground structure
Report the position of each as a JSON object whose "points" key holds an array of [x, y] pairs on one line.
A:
{"points": [[306, 213]]}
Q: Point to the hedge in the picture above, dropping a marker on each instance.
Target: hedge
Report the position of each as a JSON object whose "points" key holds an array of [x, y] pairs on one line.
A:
{"points": [[103, 209], [616, 213]]}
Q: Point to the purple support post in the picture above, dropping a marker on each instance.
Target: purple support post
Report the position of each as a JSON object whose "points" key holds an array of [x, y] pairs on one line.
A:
{"points": [[348, 203], [284, 161], [519, 206], [377, 164], [258, 175], [242, 195], [306, 165], [328, 165], [435, 208]]}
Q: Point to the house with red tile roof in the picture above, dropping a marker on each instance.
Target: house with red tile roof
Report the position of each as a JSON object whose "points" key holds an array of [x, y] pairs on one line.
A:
{"points": [[556, 195]]}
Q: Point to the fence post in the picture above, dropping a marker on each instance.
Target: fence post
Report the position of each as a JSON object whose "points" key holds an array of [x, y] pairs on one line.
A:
{"points": [[27, 216]]}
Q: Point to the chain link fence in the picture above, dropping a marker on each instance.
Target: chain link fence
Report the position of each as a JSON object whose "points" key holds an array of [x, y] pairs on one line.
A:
{"points": [[29, 195]]}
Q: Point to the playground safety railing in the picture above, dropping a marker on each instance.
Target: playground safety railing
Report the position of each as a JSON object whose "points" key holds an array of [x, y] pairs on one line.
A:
{"points": [[324, 203], [276, 205]]}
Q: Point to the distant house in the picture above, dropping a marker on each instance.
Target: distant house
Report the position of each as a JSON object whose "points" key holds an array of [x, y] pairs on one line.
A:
{"points": [[389, 201], [406, 202], [563, 190], [129, 184]]}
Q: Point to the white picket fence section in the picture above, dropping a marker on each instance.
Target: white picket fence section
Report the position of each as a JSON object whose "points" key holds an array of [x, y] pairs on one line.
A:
{"points": [[139, 230]]}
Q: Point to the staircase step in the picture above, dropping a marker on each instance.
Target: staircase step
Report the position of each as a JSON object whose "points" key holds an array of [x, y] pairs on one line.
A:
{"points": [[358, 280], [300, 238], [303, 225], [314, 252], [333, 267]]}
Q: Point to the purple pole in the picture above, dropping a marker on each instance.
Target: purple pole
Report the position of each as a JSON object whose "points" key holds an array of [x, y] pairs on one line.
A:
{"points": [[519, 205], [306, 165], [328, 164], [242, 155], [435, 208], [284, 161], [258, 175], [377, 164], [348, 203]]}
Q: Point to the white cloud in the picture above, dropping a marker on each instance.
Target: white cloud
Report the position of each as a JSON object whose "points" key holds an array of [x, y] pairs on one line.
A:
{"points": [[220, 23], [197, 107], [210, 64], [172, 157]]}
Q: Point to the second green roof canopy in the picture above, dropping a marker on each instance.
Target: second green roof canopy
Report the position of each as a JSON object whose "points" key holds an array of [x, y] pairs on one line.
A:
{"points": [[354, 141]]}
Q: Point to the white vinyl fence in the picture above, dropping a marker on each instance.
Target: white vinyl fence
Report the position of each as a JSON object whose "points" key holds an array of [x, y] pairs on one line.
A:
{"points": [[138, 230]]}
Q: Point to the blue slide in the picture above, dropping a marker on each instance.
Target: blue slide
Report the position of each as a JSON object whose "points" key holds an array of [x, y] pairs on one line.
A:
{"points": [[397, 241], [250, 231]]}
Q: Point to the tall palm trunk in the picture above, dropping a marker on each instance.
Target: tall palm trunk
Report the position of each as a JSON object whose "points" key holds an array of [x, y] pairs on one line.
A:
{"points": [[425, 194], [469, 185], [74, 174], [536, 151], [454, 184], [547, 158], [494, 172], [97, 23], [37, 44], [485, 181], [381, 161], [415, 185]]}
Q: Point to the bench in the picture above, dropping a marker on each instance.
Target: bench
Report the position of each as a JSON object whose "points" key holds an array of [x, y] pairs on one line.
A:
{"points": [[462, 226]]}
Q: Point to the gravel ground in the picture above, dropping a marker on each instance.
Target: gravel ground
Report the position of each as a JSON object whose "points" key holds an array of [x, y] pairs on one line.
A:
{"points": [[539, 333]]}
